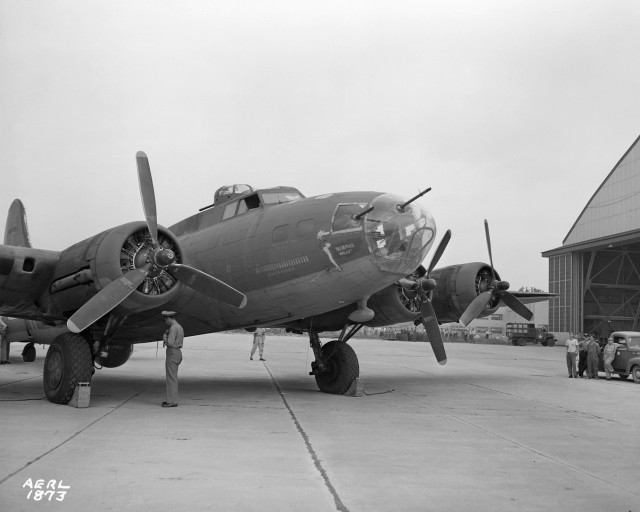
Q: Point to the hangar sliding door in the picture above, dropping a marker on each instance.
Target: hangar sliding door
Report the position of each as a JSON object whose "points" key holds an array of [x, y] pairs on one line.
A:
{"points": [[611, 297]]}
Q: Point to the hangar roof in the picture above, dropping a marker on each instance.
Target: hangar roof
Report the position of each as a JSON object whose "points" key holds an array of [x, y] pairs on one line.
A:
{"points": [[611, 241], [614, 208]]}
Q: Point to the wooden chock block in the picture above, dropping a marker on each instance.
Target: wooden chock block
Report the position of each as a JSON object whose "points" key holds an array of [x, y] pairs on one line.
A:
{"points": [[81, 395], [356, 389]]}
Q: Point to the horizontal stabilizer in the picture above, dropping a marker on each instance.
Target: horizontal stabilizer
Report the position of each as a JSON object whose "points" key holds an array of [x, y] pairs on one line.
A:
{"points": [[16, 232], [531, 297]]}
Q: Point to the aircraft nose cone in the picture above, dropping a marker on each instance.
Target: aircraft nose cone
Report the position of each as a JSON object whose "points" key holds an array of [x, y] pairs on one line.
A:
{"points": [[398, 239]]}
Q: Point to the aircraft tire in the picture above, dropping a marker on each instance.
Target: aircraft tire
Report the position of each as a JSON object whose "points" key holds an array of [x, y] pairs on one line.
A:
{"points": [[67, 363], [29, 353], [342, 368]]}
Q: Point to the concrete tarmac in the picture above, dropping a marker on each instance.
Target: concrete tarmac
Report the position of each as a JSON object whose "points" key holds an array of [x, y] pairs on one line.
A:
{"points": [[499, 428]]}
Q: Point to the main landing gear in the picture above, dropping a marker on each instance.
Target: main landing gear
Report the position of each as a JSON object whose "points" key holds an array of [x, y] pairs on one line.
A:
{"points": [[336, 365], [68, 362]]}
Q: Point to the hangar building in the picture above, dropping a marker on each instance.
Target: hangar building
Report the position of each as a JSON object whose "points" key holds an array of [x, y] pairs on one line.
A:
{"points": [[596, 272]]}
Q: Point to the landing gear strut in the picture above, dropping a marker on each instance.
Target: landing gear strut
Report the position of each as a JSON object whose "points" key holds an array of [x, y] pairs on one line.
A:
{"points": [[336, 365]]}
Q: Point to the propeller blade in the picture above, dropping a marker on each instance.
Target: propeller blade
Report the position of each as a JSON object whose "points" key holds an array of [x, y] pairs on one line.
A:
{"points": [[486, 231], [147, 195], [475, 308], [437, 255], [514, 303], [107, 299], [208, 285], [432, 328]]}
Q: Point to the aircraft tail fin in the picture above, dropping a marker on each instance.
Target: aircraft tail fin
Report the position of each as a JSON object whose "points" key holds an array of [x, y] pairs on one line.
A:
{"points": [[16, 232]]}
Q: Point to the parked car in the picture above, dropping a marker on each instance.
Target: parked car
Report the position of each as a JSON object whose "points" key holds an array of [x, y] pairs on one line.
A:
{"points": [[627, 360]]}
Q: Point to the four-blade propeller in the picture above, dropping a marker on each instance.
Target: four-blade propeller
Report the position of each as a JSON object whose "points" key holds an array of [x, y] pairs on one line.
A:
{"points": [[158, 257], [497, 289]]}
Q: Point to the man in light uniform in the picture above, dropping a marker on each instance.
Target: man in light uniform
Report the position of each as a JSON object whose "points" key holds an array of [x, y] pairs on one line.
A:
{"points": [[572, 352], [173, 339], [258, 342], [609, 354]]}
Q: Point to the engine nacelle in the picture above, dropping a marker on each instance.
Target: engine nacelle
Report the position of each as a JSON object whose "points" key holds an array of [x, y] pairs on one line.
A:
{"points": [[457, 286], [88, 266], [393, 305]]}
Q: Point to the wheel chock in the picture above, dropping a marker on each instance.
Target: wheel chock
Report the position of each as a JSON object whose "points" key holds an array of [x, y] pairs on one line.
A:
{"points": [[81, 395], [356, 388]]}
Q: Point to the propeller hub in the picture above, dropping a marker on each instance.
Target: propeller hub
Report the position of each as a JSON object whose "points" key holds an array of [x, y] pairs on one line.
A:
{"points": [[428, 285], [164, 257], [502, 286]]}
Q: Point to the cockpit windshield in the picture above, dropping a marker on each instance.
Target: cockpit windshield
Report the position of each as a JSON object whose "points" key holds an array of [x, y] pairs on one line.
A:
{"points": [[280, 197], [398, 239]]}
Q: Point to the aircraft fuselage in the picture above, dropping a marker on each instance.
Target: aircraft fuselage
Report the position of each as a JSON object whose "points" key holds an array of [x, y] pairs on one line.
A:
{"points": [[303, 257]]}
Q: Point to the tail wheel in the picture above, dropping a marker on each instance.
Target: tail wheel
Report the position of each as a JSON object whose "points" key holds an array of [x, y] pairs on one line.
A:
{"points": [[68, 362], [342, 368], [29, 353]]}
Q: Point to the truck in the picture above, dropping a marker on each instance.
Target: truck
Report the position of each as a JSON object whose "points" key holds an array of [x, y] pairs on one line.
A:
{"points": [[520, 334]]}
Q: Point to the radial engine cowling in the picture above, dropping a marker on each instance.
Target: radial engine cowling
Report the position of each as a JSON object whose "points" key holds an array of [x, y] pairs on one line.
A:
{"points": [[92, 264], [393, 305], [457, 286]]}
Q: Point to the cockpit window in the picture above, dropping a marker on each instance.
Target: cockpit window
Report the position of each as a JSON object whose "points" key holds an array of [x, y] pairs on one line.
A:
{"points": [[280, 197], [243, 206], [248, 203], [343, 217], [229, 210]]}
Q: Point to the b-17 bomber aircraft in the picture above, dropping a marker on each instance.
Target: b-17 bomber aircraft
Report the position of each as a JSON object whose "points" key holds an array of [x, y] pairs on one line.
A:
{"points": [[270, 258]]}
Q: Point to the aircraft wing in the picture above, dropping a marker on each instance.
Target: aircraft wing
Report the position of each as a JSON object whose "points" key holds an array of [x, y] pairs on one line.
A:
{"points": [[531, 297]]}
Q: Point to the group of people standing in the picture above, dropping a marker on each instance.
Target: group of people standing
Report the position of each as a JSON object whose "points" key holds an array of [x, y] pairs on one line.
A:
{"points": [[585, 351]]}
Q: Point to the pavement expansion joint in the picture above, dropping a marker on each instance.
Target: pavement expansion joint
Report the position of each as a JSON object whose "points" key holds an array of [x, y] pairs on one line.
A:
{"points": [[316, 461]]}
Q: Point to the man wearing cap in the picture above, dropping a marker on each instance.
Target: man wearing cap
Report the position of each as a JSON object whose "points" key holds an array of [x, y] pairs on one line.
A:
{"points": [[173, 338]]}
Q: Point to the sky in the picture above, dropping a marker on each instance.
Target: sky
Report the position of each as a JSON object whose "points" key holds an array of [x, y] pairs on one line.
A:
{"points": [[511, 111]]}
